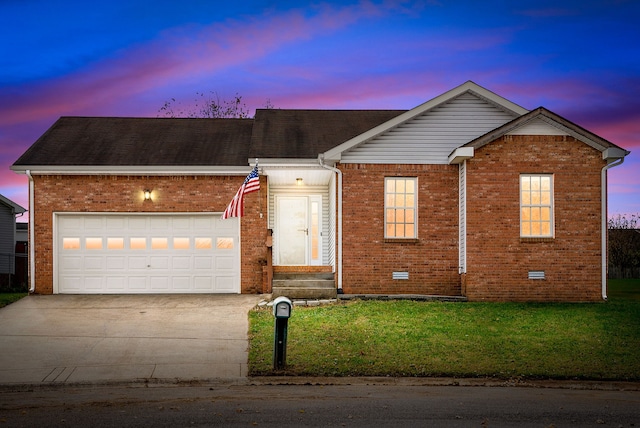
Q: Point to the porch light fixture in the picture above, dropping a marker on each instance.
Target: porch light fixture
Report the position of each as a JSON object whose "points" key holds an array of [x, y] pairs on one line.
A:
{"points": [[147, 195], [299, 181]]}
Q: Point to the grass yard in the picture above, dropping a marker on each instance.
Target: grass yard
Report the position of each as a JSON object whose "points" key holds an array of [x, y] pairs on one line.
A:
{"points": [[8, 298], [503, 340]]}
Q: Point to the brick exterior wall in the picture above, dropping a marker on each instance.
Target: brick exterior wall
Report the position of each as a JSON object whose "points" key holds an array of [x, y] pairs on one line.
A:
{"points": [[431, 259], [498, 260], [123, 194]]}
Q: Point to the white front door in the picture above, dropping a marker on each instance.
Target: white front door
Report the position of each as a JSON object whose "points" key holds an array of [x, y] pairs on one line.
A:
{"points": [[298, 230]]}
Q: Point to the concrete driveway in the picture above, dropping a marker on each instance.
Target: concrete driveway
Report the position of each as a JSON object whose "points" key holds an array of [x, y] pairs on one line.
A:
{"points": [[124, 338]]}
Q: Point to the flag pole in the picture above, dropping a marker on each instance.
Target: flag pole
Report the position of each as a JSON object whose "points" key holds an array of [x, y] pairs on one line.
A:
{"points": [[259, 193]]}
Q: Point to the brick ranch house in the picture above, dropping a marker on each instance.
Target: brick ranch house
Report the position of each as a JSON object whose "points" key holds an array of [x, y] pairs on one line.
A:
{"points": [[465, 195]]}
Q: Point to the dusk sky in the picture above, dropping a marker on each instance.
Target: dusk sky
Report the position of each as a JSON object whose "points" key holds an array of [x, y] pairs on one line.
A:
{"points": [[579, 59]]}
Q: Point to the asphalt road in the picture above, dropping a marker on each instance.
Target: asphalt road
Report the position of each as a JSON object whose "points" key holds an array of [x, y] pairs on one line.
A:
{"points": [[317, 405]]}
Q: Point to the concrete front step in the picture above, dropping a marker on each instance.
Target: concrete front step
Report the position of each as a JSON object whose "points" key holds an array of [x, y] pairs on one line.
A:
{"points": [[304, 286], [304, 293], [303, 275]]}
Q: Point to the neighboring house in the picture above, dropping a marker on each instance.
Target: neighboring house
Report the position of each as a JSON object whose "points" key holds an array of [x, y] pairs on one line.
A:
{"points": [[22, 266], [8, 212], [466, 195]]}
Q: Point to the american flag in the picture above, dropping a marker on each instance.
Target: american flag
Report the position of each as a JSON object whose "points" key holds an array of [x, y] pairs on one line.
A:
{"points": [[236, 206]]}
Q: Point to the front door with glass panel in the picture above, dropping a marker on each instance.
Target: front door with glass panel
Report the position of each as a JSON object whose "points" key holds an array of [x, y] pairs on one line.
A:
{"points": [[298, 230]]}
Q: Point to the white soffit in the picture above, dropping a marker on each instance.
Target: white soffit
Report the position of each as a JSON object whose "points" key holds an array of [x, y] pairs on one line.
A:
{"points": [[289, 176]]}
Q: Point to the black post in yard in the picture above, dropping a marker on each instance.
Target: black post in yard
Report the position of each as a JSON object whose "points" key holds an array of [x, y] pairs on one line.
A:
{"points": [[281, 311], [280, 344]]}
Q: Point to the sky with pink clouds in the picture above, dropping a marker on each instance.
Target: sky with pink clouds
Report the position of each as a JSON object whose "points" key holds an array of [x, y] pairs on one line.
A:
{"points": [[579, 59]]}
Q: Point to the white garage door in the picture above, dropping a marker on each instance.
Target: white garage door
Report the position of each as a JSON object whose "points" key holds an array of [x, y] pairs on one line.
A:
{"points": [[160, 253]]}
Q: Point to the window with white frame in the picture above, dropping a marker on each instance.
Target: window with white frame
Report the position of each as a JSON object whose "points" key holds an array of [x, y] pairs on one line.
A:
{"points": [[536, 205], [400, 202]]}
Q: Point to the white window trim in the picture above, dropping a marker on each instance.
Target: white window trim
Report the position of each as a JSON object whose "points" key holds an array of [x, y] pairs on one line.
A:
{"points": [[551, 206], [415, 207]]}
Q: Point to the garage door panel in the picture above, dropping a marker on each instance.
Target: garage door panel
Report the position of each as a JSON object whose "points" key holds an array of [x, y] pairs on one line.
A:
{"points": [[94, 283], [137, 262], [159, 223], [203, 223], [159, 283], [180, 223], [224, 263], [73, 283], [200, 262], [137, 223], [180, 263], [118, 263], [116, 283], [224, 283], [159, 262], [70, 263], [115, 223], [93, 223], [225, 226], [161, 253], [203, 283], [137, 283], [94, 263], [181, 283]]}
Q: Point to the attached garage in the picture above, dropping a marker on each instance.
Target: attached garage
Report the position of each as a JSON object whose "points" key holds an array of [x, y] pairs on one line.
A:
{"points": [[145, 253]]}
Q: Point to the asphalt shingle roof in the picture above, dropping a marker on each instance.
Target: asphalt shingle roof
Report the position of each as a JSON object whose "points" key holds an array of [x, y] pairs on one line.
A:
{"points": [[274, 133], [304, 134], [116, 141]]}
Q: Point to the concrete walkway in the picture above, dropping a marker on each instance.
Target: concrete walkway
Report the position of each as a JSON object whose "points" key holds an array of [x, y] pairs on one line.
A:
{"points": [[124, 338]]}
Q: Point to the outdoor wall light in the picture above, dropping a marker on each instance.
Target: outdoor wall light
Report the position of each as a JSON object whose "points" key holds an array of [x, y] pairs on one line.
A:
{"points": [[299, 181], [147, 195]]}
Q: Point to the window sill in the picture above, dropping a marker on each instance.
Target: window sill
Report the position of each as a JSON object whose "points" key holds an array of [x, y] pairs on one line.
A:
{"points": [[401, 241], [534, 239]]}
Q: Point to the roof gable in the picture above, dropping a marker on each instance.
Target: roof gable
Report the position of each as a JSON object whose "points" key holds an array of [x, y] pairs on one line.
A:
{"points": [[541, 115], [12, 205], [471, 88]]}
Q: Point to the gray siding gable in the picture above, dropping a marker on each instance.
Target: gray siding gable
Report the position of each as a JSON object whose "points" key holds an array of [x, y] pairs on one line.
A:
{"points": [[8, 211], [430, 137]]}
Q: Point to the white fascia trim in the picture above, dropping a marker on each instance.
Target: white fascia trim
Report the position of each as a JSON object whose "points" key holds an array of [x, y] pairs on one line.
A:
{"points": [[335, 154], [578, 136], [289, 164], [460, 155], [131, 170], [613, 153]]}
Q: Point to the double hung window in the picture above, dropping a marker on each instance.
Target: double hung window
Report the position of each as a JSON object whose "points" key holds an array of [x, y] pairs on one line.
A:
{"points": [[536, 205], [400, 202]]}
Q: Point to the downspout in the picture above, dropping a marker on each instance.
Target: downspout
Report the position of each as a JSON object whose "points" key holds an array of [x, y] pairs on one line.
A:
{"points": [[603, 214], [339, 246], [32, 255]]}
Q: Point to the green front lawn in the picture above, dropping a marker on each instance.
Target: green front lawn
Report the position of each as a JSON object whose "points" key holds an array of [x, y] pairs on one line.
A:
{"points": [[504, 340], [8, 298]]}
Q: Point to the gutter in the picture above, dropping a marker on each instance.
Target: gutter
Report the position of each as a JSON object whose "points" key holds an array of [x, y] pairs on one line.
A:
{"points": [[339, 246], [133, 170], [32, 247], [614, 157]]}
